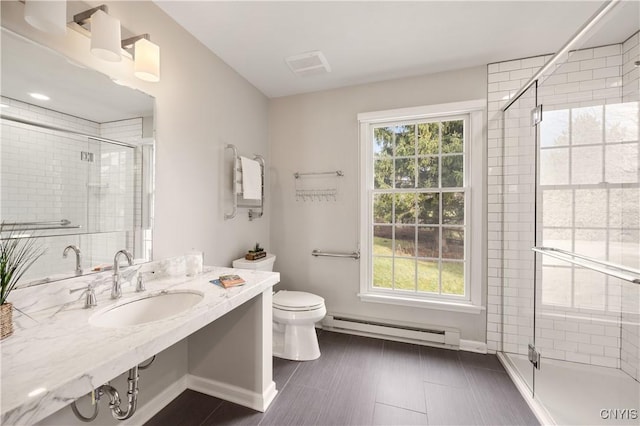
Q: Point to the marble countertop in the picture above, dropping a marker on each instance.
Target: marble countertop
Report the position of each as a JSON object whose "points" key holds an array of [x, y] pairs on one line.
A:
{"points": [[55, 356]]}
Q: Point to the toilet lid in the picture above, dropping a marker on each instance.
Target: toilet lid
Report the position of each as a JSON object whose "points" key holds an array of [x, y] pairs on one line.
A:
{"points": [[296, 301]]}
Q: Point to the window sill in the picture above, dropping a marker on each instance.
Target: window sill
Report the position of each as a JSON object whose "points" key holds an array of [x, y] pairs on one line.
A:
{"points": [[439, 305]]}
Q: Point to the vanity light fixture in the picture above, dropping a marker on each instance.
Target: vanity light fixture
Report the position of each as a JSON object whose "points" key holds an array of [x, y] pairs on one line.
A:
{"points": [[146, 56], [47, 16], [105, 32]]}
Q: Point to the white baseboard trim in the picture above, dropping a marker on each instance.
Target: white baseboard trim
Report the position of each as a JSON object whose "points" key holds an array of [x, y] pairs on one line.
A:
{"points": [[145, 412], [473, 346], [235, 394]]}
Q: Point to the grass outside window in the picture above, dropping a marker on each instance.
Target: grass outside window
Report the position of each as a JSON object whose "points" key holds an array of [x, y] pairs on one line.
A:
{"points": [[399, 273]]}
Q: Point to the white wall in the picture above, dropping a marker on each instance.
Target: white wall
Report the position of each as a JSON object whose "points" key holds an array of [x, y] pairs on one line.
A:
{"points": [[319, 132]]}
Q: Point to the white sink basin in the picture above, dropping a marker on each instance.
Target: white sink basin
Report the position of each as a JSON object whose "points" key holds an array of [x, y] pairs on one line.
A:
{"points": [[152, 307]]}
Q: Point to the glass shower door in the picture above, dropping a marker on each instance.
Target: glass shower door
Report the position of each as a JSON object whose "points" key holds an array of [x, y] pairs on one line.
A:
{"points": [[586, 321], [571, 189], [518, 232], [111, 197]]}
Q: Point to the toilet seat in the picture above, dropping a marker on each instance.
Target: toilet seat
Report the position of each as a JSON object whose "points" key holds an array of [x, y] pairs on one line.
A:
{"points": [[297, 301]]}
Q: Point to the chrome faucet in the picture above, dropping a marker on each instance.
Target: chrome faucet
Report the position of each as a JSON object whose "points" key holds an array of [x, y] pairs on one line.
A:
{"points": [[78, 257], [116, 289]]}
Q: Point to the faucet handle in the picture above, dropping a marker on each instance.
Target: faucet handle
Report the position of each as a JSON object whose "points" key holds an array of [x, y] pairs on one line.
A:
{"points": [[90, 300]]}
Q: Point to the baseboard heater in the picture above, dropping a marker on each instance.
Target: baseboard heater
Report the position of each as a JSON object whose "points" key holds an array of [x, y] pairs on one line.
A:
{"points": [[405, 333]]}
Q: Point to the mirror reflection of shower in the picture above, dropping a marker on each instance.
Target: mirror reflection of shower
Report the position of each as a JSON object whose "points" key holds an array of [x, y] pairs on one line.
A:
{"points": [[73, 189], [76, 168]]}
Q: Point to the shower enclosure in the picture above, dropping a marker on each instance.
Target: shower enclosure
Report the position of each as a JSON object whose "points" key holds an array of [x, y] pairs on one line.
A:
{"points": [[564, 258]]}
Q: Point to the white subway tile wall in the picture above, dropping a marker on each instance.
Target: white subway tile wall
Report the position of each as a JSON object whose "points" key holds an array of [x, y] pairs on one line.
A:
{"points": [[580, 313], [120, 206], [45, 178], [631, 72]]}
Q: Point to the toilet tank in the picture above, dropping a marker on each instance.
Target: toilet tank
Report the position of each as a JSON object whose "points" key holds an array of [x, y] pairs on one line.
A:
{"points": [[264, 264]]}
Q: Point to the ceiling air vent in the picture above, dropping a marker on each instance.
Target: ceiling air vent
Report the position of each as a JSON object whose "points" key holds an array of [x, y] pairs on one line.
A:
{"points": [[310, 63]]}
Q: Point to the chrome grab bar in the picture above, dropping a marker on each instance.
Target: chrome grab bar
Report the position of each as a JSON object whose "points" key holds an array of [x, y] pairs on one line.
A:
{"points": [[353, 255], [618, 271]]}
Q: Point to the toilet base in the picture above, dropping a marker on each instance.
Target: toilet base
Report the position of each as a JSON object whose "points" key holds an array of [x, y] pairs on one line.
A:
{"points": [[295, 342]]}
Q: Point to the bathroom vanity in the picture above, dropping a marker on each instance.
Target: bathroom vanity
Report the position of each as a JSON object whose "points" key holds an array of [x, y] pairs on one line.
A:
{"points": [[61, 351]]}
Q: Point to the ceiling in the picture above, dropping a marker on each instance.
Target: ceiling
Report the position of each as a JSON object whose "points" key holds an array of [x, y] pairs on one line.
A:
{"points": [[368, 41]]}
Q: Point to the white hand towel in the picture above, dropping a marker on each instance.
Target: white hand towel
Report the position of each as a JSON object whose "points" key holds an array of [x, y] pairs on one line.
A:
{"points": [[251, 179]]}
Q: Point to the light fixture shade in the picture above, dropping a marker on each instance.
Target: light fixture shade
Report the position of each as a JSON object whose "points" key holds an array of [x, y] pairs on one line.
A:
{"points": [[147, 61], [105, 37], [47, 16]]}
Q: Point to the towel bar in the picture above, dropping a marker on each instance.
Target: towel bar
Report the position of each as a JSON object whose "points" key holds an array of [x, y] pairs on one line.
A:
{"points": [[618, 271], [237, 174]]}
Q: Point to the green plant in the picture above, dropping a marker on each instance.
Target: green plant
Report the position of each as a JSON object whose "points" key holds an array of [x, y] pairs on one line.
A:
{"points": [[17, 254], [256, 249]]}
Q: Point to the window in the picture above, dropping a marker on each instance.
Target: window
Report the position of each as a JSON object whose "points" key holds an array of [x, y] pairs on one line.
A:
{"points": [[417, 234]]}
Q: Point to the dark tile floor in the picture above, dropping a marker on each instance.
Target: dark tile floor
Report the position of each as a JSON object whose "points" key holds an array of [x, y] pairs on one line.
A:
{"points": [[362, 381]]}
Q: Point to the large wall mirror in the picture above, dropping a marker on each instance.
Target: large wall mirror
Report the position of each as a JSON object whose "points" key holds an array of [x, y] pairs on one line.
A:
{"points": [[76, 169]]}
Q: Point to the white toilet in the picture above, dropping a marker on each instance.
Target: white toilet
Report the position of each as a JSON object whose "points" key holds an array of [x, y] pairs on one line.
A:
{"points": [[295, 314]]}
